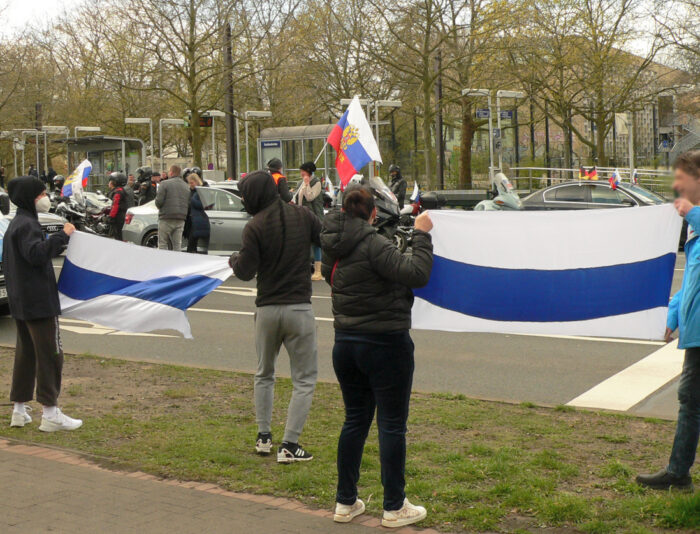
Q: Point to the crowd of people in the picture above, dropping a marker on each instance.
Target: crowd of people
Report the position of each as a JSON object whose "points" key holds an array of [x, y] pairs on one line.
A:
{"points": [[372, 297]]}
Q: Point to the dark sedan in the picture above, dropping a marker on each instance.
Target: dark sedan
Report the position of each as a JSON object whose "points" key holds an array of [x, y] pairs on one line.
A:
{"points": [[585, 195]]}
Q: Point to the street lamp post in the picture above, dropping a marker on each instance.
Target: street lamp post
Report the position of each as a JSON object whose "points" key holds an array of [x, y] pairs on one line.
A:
{"points": [[246, 116], [173, 122], [213, 114], [504, 94], [143, 120], [23, 132], [486, 93]]}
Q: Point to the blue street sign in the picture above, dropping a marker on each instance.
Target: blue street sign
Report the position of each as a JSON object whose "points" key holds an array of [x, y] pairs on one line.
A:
{"points": [[482, 113], [507, 114], [271, 144], [496, 133]]}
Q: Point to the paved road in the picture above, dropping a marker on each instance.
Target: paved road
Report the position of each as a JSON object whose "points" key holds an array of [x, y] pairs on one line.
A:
{"points": [[517, 368]]}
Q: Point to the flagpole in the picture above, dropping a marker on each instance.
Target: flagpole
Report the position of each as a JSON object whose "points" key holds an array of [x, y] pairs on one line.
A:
{"points": [[321, 152]]}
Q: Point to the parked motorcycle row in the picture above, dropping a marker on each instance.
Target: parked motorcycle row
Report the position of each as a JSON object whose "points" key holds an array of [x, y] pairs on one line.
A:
{"points": [[86, 211]]}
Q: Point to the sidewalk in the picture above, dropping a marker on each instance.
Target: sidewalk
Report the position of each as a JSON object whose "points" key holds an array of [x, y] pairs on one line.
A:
{"points": [[50, 490]]}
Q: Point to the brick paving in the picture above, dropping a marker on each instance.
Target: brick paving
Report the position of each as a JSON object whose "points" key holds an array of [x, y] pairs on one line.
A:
{"points": [[51, 490]]}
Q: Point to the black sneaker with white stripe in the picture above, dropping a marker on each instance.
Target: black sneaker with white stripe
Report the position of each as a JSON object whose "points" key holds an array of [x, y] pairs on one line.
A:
{"points": [[263, 445], [292, 452]]}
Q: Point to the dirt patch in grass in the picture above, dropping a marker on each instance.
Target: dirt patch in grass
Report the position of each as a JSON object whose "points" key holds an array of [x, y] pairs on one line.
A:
{"points": [[476, 465]]}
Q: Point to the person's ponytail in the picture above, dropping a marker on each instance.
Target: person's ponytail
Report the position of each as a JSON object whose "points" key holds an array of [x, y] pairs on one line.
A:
{"points": [[358, 202]]}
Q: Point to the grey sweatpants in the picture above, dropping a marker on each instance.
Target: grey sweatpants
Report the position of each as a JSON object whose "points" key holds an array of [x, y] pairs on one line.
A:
{"points": [[294, 326], [170, 234]]}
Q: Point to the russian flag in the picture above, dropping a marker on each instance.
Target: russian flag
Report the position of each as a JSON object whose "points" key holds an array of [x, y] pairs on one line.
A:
{"points": [[78, 179], [561, 273], [353, 142], [132, 288], [614, 179]]}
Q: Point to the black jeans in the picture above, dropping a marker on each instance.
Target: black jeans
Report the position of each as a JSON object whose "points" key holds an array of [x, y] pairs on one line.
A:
{"points": [[685, 444], [374, 371], [194, 240], [38, 359]]}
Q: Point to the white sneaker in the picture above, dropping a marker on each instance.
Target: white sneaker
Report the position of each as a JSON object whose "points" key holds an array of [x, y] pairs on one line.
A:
{"points": [[21, 419], [60, 421], [406, 515], [344, 513]]}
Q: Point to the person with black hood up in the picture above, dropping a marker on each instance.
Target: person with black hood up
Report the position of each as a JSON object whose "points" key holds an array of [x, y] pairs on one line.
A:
{"points": [[275, 168], [371, 284], [276, 244], [33, 297]]}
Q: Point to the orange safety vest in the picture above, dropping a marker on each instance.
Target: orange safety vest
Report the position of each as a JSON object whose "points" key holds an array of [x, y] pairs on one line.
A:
{"points": [[276, 176]]}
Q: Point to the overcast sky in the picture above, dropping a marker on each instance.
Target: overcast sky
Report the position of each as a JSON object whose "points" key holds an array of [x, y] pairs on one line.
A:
{"points": [[22, 12]]}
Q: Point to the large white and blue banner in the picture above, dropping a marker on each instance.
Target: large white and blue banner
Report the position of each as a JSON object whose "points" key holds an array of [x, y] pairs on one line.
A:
{"points": [[604, 272], [132, 288]]}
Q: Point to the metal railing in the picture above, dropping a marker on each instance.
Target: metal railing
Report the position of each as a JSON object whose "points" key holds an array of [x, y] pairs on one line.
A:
{"points": [[658, 181]]}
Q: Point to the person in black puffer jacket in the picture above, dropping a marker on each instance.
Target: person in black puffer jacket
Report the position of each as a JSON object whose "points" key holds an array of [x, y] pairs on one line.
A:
{"points": [[372, 286], [34, 305]]}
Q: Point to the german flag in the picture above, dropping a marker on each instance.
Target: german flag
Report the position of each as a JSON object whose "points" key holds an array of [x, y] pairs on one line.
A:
{"points": [[593, 174], [582, 174]]}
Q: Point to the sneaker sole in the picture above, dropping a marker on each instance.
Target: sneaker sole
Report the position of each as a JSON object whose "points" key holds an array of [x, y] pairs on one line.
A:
{"points": [[403, 522], [19, 424], [347, 518], [56, 428], [263, 451], [292, 460]]}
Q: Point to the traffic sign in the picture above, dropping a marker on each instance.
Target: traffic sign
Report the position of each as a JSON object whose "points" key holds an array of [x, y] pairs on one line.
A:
{"points": [[508, 114], [482, 113], [496, 133]]}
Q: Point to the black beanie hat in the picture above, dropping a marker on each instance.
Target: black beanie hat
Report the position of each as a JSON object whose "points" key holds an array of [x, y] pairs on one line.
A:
{"points": [[308, 166]]}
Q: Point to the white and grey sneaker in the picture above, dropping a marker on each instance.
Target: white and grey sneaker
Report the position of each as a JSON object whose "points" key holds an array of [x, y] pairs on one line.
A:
{"points": [[21, 419], [344, 513], [406, 515], [264, 443], [292, 452], [60, 421]]}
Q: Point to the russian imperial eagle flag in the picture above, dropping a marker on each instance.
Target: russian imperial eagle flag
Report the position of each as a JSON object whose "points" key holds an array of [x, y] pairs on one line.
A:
{"points": [[77, 180], [551, 272], [353, 142]]}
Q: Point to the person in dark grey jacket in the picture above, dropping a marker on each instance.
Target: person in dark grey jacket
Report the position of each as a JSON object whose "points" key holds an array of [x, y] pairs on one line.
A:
{"points": [[34, 305], [371, 283], [173, 203]]}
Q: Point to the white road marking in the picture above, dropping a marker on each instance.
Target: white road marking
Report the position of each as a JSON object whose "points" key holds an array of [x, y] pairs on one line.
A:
{"points": [[632, 385], [603, 339], [231, 312], [84, 327]]}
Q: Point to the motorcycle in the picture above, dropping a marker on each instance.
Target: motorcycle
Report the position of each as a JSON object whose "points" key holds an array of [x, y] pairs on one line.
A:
{"points": [[505, 199], [83, 215], [388, 217]]}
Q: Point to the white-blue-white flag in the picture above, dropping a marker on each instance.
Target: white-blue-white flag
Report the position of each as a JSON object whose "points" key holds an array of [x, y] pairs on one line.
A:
{"points": [[604, 272], [132, 288]]}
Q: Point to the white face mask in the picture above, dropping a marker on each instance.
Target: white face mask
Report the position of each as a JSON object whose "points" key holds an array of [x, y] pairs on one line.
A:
{"points": [[43, 205]]}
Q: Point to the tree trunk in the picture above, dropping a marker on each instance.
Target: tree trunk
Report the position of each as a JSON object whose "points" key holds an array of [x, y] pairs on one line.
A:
{"points": [[196, 139], [427, 136], [601, 134], [465, 149]]}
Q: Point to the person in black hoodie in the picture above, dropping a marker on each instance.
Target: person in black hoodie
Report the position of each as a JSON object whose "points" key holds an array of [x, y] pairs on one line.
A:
{"points": [[371, 283], [276, 244], [34, 305]]}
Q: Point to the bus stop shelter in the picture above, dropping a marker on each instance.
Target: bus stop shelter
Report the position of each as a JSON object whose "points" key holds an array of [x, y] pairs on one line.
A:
{"points": [[296, 144], [107, 155]]}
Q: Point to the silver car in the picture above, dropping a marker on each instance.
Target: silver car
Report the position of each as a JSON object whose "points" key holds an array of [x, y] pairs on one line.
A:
{"points": [[225, 210]]}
